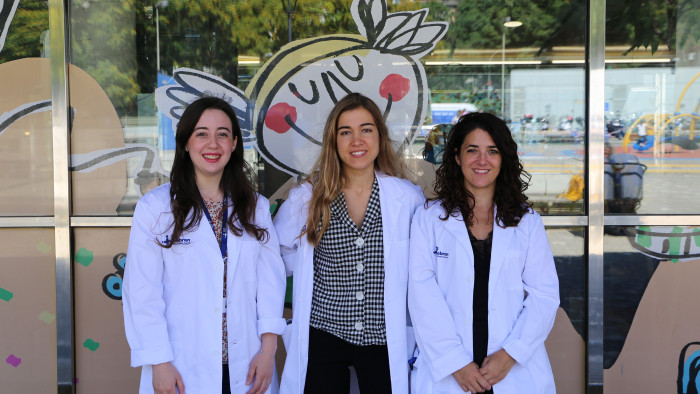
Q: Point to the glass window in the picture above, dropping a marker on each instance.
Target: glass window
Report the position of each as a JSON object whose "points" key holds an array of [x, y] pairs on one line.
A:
{"points": [[26, 153], [650, 290], [28, 310], [525, 63], [134, 68], [651, 108], [102, 355], [112, 149]]}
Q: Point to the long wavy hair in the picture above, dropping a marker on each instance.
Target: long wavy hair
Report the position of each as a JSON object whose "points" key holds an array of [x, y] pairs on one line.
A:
{"points": [[327, 177], [235, 180], [511, 183]]}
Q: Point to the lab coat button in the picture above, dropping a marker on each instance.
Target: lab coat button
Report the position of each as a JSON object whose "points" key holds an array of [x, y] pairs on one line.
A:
{"points": [[359, 241], [236, 382], [360, 296], [359, 326], [360, 267]]}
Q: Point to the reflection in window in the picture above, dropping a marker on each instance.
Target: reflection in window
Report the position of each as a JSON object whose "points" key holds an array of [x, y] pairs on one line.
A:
{"points": [[652, 105], [523, 63], [25, 118]]}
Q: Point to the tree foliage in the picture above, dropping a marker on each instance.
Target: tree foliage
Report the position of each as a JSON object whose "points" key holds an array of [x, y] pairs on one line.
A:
{"points": [[26, 31], [115, 41], [546, 23], [653, 23], [103, 43]]}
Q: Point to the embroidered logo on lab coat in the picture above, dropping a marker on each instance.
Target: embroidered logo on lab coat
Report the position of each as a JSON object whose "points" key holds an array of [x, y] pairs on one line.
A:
{"points": [[181, 241], [439, 254]]}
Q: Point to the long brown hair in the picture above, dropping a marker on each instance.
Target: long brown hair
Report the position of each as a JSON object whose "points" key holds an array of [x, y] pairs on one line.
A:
{"points": [[511, 183], [235, 180], [326, 177]]}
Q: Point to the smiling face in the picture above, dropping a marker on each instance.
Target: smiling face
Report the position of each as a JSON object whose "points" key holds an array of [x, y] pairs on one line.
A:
{"points": [[357, 140], [288, 140], [480, 161], [211, 144]]}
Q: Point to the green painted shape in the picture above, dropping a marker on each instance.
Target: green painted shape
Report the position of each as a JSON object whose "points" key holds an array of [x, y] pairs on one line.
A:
{"points": [[5, 295], [44, 248], [47, 317], [91, 345], [674, 243], [642, 239], [272, 208], [697, 240], [84, 257]]}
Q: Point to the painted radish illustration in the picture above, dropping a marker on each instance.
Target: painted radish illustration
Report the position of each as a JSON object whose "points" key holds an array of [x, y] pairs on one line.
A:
{"points": [[289, 98], [296, 89]]}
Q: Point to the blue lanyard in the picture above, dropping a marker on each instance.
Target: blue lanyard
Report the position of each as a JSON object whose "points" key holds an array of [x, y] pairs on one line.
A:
{"points": [[224, 229]]}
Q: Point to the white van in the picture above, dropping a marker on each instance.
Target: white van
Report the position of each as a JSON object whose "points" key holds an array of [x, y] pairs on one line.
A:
{"points": [[444, 112]]}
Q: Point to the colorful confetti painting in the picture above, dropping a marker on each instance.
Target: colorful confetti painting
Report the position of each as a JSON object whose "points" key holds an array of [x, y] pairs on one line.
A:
{"points": [[91, 345], [13, 360], [84, 257], [5, 295]]}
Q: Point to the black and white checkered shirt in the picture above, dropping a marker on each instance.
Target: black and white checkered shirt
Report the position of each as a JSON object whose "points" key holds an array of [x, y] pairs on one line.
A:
{"points": [[348, 294]]}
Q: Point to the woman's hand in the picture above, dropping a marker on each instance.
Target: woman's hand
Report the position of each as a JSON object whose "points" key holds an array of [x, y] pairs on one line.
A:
{"points": [[166, 379], [262, 366], [497, 366], [470, 379]]}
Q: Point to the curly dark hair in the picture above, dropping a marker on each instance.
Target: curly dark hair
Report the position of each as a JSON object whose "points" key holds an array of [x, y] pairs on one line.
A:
{"points": [[511, 183], [235, 181]]}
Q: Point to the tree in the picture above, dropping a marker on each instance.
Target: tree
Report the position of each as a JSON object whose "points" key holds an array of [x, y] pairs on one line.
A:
{"points": [[103, 44], [546, 23], [652, 23], [25, 37]]}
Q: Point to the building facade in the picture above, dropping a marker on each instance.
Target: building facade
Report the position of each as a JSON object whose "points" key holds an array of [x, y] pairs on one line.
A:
{"points": [[602, 97]]}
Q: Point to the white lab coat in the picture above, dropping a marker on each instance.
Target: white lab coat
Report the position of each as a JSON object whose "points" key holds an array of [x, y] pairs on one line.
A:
{"points": [[398, 199], [173, 298], [523, 296]]}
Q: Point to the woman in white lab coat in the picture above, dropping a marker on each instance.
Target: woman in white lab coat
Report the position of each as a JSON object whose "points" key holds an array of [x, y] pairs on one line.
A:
{"points": [[204, 282], [483, 289], [344, 237]]}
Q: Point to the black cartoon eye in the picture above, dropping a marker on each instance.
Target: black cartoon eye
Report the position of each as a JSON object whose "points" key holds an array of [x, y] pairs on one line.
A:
{"points": [[112, 286], [112, 283]]}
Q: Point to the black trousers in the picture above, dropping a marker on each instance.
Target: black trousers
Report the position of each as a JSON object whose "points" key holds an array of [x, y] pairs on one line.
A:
{"points": [[226, 383], [330, 357]]}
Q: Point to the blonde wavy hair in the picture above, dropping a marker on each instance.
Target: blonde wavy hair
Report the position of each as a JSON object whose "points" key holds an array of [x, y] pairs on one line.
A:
{"points": [[326, 177]]}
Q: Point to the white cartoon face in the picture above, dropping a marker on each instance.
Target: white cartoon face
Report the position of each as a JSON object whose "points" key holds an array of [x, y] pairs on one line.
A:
{"points": [[286, 104], [291, 133]]}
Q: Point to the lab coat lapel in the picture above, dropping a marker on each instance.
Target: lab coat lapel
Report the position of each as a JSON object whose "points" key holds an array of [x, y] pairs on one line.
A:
{"points": [[455, 225], [233, 247], [499, 250], [391, 205]]}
